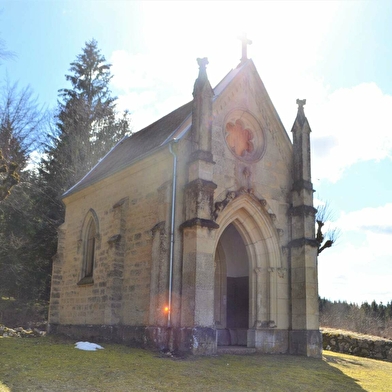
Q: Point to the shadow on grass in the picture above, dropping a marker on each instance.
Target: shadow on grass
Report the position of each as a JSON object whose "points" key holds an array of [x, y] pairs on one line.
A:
{"points": [[342, 361], [341, 381]]}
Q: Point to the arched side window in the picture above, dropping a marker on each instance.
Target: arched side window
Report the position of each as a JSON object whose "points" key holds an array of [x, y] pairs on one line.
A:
{"points": [[89, 252], [89, 237]]}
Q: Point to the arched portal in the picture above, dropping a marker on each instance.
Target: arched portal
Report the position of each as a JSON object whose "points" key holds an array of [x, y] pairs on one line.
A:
{"points": [[232, 287], [246, 255]]}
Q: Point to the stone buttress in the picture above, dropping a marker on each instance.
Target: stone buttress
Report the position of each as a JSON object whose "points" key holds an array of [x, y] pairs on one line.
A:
{"points": [[305, 337], [197, 310]]}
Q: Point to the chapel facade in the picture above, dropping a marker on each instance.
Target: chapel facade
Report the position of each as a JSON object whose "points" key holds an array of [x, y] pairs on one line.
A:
{"points": [[196, 232]]}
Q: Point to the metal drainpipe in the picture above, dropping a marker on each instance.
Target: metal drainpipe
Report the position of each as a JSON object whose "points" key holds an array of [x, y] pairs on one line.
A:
{"points": [[173, 208]]}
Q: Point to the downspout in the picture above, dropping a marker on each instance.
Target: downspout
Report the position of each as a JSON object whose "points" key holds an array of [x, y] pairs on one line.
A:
{"points": [[173, 208]]}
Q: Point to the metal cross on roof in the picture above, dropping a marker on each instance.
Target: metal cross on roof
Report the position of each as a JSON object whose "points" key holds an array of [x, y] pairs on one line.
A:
{"points": [[245, 42]]}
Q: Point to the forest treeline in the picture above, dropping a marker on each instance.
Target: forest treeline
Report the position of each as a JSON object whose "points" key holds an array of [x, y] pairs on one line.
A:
{"points": [[43, 152], [373, 319]]}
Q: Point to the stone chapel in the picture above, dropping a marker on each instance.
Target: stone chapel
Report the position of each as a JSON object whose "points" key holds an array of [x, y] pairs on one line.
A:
{"points": [[197, 232]]}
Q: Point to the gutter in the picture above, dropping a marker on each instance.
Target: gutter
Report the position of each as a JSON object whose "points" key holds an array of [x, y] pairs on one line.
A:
{"points": [[173, 209]]}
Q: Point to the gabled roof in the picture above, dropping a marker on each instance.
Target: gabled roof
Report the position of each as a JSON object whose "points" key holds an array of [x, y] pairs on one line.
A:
{"points": [[140, 144], [133, 148]]}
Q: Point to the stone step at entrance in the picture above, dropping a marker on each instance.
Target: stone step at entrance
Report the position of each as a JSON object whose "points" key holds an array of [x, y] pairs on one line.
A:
{"points": [[236, 350], [232, 337]]}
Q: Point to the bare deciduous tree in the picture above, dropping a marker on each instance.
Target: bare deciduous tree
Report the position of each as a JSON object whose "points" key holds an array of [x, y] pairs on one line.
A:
{"points": [[325, 239], [21, 119], [5, 54]]}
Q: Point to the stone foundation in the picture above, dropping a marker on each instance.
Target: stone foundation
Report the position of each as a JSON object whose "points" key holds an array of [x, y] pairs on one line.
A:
{"points": [[269, 341], [232, 337], [196, 341], [305, 342]]}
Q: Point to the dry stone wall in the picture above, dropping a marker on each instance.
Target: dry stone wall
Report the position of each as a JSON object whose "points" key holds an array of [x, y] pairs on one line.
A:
{"points": [[20, 332], [368, 347]]}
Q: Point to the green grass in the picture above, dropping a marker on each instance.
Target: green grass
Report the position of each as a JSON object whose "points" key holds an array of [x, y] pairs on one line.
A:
{"points": [[51, 364]]}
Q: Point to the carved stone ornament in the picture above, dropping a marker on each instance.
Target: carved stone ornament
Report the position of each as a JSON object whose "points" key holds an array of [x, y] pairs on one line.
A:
{"points": [[231, 195], [264, 324], [239, 138], [281, 272], [246, 172], [258, 270], [221, 205], [244, 136]]}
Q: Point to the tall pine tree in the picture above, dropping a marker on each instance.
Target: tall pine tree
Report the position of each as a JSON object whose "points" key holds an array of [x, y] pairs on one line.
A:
{"points": [[87, 127]]}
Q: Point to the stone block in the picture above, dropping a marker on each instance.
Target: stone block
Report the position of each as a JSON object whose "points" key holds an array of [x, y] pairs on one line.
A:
{"points": [[305, 342], [271, 341]]}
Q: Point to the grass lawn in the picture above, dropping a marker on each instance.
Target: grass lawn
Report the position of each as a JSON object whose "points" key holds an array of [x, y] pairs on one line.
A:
{"points": [[51, 364]]}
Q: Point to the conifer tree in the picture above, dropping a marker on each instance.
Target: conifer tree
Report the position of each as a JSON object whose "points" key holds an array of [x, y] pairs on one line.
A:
{"points": [[86, 128], [86, 122]]}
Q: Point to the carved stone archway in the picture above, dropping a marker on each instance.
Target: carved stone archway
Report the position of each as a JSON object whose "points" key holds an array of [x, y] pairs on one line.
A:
{"points": [[254, 223]]}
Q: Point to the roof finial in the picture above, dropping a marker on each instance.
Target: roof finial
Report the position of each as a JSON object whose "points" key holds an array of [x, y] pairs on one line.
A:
{"points": [[245, 41], [301, 114], [301, 103], [202, 79], [202, 63]]}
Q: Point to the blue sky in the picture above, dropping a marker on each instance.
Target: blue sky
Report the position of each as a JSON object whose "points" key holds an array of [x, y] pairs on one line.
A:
{"points": [[337, 55]]}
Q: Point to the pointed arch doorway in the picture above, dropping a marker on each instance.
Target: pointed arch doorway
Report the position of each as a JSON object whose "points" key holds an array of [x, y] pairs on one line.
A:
{"points": [[231, 304]]}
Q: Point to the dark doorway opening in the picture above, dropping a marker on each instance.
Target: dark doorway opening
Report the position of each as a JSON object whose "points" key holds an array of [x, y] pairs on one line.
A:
{"points": [[231, 289], [237, 302]]}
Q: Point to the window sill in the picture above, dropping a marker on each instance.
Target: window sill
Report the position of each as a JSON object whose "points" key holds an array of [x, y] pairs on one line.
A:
{"points": [[87, 280]]}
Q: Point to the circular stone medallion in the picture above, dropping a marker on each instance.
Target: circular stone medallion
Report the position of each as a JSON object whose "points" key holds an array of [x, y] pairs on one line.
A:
{"points": [[244, 136]]}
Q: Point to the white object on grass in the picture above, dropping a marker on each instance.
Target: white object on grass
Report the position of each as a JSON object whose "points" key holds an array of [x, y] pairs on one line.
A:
{"points": [[87, 346]]}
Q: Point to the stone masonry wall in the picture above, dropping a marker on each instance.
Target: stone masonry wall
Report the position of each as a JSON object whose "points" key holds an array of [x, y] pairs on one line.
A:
{"points": [[375, 348], [126, 213]]}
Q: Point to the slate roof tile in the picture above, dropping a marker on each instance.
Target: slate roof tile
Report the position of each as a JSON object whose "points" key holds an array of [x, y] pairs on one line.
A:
{"points": [[132, 148]]}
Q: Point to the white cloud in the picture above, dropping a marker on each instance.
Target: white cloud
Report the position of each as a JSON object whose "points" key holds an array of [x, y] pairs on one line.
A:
{"points": [[350, 125], [367, 219], [360, 269], [148, 87], [375, 224], [131, 71]]}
